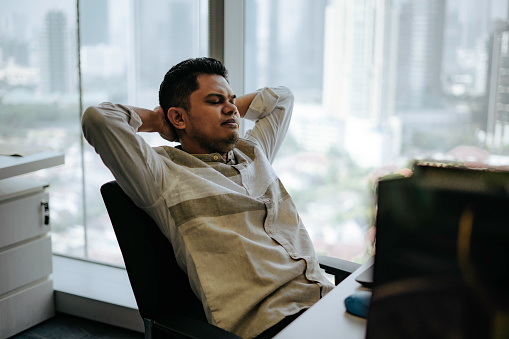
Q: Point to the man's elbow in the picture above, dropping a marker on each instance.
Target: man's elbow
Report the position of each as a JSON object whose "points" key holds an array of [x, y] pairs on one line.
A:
{"points": [[286, 97], [290, 96], [93, 121], [287, 91], [91, 116]]}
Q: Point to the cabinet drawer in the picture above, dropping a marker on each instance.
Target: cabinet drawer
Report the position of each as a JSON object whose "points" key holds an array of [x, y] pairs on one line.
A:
{"points": [[24, 264], [22, 219], [26, 308]]}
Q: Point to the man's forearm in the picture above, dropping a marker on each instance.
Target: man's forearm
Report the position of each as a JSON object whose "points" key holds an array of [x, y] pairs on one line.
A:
{"points": [[274, 105], [110, 129], [154, 121], [243, 102], [149, 118]]}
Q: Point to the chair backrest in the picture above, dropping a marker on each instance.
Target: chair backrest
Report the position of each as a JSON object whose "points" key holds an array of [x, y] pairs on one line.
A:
{"points": [[159, 285]]}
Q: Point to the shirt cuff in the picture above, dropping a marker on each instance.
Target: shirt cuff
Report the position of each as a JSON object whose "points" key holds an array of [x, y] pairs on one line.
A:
{"points": [[134, 119], [263, 104]]}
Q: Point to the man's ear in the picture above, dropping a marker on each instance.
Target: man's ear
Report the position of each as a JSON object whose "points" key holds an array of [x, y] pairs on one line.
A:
{"points": [[176, 116]]}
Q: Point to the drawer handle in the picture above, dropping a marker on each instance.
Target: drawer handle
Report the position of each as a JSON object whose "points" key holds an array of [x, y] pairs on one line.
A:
{"points": [[45, 211]]}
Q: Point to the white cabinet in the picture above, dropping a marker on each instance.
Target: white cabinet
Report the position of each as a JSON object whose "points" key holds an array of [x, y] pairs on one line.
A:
{"points": [[26, 288]]}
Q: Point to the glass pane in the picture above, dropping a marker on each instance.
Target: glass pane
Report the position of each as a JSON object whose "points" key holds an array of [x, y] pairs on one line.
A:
{"points": [[39, 104], [126, 49], [378, 83]]}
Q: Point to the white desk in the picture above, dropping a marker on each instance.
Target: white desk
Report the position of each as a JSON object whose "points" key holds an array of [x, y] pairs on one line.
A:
{"points": [[11, 166], [328, 317]]}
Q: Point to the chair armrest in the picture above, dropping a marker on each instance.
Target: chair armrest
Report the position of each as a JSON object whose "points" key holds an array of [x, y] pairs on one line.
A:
{"points": [[184, 327], [339, 268]]}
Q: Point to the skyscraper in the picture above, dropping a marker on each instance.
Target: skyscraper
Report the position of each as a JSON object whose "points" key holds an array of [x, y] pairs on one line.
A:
{"points": [[302, 25], [359, 58], [170, 30], [498, 87], [421, 35], [55, 49]]}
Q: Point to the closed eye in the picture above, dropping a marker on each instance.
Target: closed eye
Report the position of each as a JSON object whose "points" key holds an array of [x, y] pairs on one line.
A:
{"points": [[216, 99]]}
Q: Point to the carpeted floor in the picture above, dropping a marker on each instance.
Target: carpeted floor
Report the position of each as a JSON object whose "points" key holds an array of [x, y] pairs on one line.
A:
{"points": [[64, 326]]}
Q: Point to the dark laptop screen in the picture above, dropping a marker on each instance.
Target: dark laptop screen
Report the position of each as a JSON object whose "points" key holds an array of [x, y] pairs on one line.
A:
{"points": [[442, 252]]}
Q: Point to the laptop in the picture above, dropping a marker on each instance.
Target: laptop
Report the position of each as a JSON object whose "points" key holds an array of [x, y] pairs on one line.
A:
{"points": [[441, 255]]}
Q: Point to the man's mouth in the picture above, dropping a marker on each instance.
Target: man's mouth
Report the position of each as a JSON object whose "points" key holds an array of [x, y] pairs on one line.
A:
{"points": [[230, 122]]}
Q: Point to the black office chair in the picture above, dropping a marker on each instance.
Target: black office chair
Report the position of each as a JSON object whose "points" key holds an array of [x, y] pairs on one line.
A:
{"points": [[166, 303]]}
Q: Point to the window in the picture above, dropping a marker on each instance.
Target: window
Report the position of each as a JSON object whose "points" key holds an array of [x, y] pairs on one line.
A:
{"points": [[124, 57], [39, 102], [124, 50], [377, 83]]}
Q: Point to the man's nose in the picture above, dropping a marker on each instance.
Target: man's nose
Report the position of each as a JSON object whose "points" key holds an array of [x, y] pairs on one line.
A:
{"points": [[230, 108]]}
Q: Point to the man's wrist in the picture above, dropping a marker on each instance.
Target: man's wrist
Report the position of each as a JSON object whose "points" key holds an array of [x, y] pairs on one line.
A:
{"points": [[243, 102], [148, 118]]}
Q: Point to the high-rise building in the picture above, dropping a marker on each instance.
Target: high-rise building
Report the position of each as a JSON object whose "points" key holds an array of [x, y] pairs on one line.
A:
{"points": [[360, 58], [496, 122], [498, 88], [165, 33], [276, 37], [56, 50], [360, 63], [13, 40], [349, 57], [421, 35]]}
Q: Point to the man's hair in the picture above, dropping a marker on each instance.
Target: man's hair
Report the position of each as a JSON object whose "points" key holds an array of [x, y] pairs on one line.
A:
{"points": [[182, 80]]}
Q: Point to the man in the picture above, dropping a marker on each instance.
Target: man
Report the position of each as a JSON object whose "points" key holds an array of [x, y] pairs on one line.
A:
{"points": [[234, 228]]}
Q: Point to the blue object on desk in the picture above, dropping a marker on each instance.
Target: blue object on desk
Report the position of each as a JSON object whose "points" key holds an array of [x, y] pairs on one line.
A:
{"points": [[358, 303]]}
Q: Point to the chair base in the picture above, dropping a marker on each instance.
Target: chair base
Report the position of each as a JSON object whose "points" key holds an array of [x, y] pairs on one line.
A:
{"points": [[149, 324]]}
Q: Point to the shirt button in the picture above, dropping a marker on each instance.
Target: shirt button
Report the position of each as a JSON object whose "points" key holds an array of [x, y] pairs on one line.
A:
{"points": [[271, 231]]}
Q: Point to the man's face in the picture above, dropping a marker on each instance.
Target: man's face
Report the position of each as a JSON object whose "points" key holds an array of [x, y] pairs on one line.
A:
{"points": [[213, 119]]}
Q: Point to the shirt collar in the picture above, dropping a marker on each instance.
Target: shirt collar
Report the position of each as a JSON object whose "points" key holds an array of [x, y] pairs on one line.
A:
{"points": [[230, 158], [214, 157]]}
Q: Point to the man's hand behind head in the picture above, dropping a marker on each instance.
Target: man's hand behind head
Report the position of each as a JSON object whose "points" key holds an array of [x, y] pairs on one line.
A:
{"points": [[155, 121], [167, 131]]}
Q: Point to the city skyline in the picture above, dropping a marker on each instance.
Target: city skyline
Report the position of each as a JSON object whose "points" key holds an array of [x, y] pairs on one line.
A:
{"points": [[371, 74], [320, 8], [357, 108]]}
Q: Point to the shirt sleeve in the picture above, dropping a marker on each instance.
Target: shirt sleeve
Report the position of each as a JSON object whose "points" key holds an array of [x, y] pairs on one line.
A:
{"points": [[272, 110], [139, 170]]}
